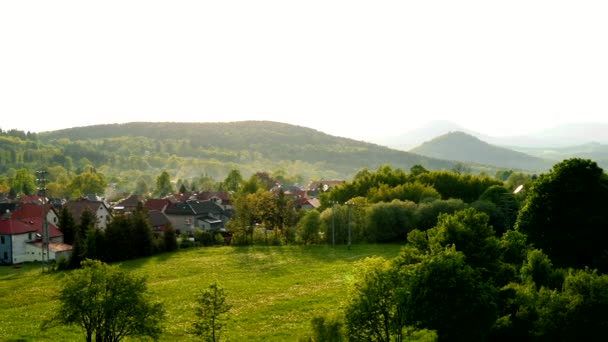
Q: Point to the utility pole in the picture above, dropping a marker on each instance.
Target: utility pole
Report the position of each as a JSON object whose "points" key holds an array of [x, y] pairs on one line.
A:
{"points": [[348, 204], [41, 180]]}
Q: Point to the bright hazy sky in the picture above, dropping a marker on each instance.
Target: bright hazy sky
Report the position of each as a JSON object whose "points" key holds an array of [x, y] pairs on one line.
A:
{"points": [[350, 68]]}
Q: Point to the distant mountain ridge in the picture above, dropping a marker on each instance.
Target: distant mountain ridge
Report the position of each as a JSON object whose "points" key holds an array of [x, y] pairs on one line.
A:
{"points": [[563, 135], [254, 142], [460, 146]]}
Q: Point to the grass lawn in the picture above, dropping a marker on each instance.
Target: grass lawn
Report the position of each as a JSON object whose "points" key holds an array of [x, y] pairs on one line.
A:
{"points": [[274, 291]]}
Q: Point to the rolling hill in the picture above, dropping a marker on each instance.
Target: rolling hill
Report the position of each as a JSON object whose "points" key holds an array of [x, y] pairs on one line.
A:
{"points": [[460, 146], [250, 145]]}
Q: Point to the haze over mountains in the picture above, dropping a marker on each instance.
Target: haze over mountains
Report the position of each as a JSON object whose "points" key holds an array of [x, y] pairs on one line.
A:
{"points": [[553, 137]]}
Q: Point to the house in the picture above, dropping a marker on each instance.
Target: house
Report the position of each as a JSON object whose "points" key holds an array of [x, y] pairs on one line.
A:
{"points": [[26, 211], [158, 220], [185, 216], [221, 198], [98, 208], [157, 204], [128, 205], [21, 241], [308, 203], [323, 185]]}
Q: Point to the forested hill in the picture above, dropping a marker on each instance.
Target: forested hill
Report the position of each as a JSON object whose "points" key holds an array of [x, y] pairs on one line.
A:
{"points": [[250, 145], [467, 148]]}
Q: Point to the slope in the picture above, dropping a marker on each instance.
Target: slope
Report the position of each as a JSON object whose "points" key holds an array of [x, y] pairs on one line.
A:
{"points": [[241, 143], [464, 147]]}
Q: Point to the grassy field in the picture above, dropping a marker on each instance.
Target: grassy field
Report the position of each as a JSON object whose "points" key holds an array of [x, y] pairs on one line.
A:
{"points": [[274, 291]]}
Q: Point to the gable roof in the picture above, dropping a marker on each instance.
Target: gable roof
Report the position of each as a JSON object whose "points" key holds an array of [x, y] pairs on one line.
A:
{"points": [[78, 207], [180, 208], [158, 219], [159, 204], [28, 210], [207, 195], [205, 207], [316, 185], [14, 227], [129, 202]]}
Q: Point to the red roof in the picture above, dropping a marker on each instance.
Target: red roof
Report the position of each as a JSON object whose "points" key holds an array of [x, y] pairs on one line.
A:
{"points": [[28, 210], [36, 223], [31, 199], [158, 204], [14, 227]]}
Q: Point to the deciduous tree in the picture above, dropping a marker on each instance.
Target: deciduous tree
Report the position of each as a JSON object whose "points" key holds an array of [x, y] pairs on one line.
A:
{"points": [[108, 303]]}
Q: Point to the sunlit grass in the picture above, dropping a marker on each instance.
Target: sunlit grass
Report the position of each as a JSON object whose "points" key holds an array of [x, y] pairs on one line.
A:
{"points": [[274, 291]]}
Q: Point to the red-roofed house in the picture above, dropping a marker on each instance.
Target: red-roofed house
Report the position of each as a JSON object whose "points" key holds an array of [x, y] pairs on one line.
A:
{"points": [[31, 210], [158, 204], [17, 240]]}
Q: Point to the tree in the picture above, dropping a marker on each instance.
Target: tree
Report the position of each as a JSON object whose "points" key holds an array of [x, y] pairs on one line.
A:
{"points": [[163, 184], [67, 225], [372, 313], [108, 303], [233, 181], [564, 215], [210, 313], [309, 227], [87, 183], [170, 239], [23, 183], [447, 295]]}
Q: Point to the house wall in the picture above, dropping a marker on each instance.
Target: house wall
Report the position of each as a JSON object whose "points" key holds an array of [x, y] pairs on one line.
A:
{"points": [[103, 217], [6, 251], [183, 223], [20, 248]]}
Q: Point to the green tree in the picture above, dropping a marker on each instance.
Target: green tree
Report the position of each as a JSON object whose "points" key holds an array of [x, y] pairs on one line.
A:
{"points": [[170, 239], [87, 183], [564, 215], [372, 313], [23, 182], [67, 225], [163, 184], [210, 313], [233, 181], [108, 303], [309, 227], [447, 295]]}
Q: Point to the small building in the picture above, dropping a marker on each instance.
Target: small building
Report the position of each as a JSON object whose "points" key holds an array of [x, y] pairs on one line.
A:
{"points": [[99, 209]]}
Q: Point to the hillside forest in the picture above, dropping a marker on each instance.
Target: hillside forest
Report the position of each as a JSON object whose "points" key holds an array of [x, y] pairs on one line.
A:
{"points": [[511, 256]]}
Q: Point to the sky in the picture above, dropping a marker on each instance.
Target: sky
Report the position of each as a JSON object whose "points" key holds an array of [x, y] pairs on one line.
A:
{"points": [[358, 69]]}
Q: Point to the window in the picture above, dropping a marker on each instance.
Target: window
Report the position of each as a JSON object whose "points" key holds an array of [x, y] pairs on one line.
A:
{"points": [[5, 255], [2, 239], [29, 236]]}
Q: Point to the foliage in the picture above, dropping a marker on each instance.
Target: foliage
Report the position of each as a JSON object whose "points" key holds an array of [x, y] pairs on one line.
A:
{"points": [[163, 184], [389, 222], [564, 214], [23, 182], [326, 329], [233, 181], [309, 227], [211, 313], [371, 313], [108, 303], [442, 285], [427, 213], [87, 183]]}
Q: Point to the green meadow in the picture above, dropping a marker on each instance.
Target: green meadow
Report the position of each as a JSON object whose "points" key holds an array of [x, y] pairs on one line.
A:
{"points": [[274, 291]]}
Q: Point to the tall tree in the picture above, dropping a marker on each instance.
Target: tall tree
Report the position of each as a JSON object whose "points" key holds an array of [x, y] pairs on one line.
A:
{"points": [[210, 313], [163, 184], [108, 303], [233, 181], [23, 182], [564, 214], [87, 183], [67, 225]]}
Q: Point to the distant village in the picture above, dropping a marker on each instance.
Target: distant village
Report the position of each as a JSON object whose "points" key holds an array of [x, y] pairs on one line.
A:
{"points": [[22, 219]]}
